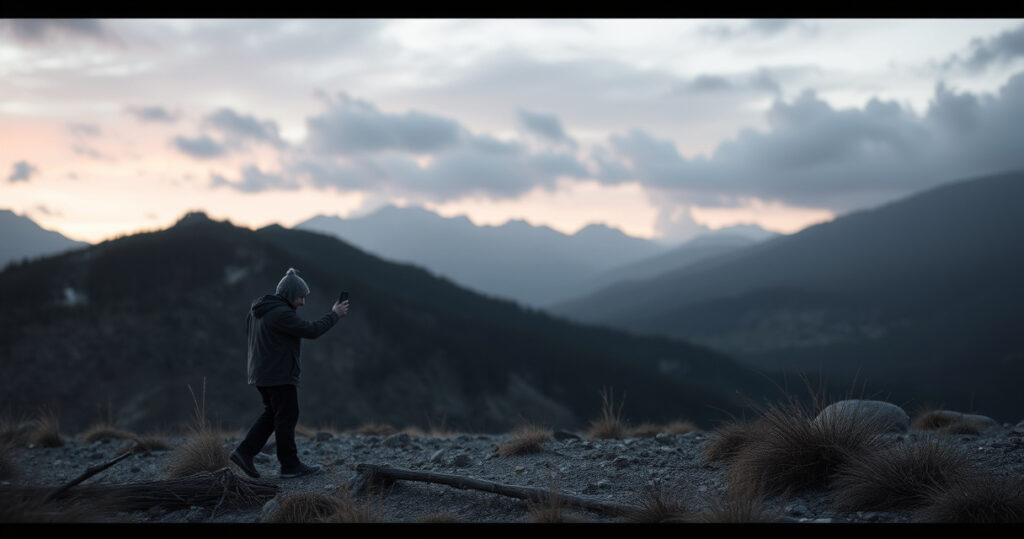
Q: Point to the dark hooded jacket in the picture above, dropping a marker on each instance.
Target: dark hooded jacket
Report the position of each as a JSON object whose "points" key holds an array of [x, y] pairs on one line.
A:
{"points": [[275, 333]]}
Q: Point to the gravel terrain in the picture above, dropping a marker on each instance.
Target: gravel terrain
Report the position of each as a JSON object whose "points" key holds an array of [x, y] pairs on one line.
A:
{"points": [[611, 470]]}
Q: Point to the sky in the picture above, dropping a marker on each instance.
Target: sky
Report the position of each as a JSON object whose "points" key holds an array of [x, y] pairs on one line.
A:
{"points": [[662, 128]]}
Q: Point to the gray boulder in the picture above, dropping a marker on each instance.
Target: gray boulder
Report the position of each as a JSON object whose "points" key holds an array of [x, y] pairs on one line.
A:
{"points": [[889, 417], [949, 417]]}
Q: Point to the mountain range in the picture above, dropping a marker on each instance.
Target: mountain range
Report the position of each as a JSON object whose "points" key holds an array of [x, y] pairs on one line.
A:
{"points": [[919, 298], [21, 238], [145, 323], [533, 265]]}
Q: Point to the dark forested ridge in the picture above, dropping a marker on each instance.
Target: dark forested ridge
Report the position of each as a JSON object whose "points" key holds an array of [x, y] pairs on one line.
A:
{"points": [[921, 299], [134, 322]]}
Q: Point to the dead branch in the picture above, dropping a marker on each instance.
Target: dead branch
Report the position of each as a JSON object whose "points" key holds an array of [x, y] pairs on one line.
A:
{"points": [[89, 472], [372, 473]]}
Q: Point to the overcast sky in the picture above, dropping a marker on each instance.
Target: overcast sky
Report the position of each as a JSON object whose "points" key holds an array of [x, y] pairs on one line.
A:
{"points": [[658, 127]]}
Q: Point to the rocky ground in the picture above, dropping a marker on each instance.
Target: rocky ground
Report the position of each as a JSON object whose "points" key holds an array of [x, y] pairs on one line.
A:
{"points": [[620, 471]]}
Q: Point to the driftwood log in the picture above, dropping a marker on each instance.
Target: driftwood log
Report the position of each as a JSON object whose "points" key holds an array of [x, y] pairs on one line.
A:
{"points": [[372, 473], [89, 472]]}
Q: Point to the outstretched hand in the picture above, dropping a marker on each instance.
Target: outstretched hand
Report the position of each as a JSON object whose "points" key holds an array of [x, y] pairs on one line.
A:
{"points": [[340, 308]]}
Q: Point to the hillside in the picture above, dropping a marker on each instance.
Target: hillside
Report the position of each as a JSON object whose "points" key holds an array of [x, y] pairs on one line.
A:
{"points": [[133, 323], [21, 238], [918, 298]]}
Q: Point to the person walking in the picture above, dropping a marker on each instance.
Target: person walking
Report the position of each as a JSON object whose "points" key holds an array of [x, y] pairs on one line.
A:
{"points": [[275, 332]]}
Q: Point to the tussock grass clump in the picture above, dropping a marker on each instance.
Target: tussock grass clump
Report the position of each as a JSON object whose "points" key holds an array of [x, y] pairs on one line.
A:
{"points": [[746, 507], [729, 439], [658, 504], [945, 423], [524, 439], [610, 424], [305, 507], [374, 429], [551, 510], [15, 431], [899, 476], [979, 499], [107, 431], [46, 432], [204, 450], [650, 430], [145, 444], [794, 451]]}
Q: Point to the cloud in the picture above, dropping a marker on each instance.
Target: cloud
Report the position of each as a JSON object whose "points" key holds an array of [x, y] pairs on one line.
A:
{"points": [[760, 82], [546, 125], [84, 130], [22, 171], [240, 126], [86, 151], [254, 180], [759, 28], [814, 155], [354, 126], [47, 31], [1004, 47], [152, 114], [201, 147]]}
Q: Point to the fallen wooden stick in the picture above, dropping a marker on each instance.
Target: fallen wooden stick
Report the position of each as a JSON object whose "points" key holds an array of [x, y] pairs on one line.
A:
{"points": [[89, 472], [372, 472]]}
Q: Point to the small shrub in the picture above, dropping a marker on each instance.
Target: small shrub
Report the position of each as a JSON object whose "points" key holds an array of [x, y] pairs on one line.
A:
{"points": [[524, 439], [610, 425], [978, 499], [793, 451], [658, 504], [102, 431], [47, 431], [899, 476]]}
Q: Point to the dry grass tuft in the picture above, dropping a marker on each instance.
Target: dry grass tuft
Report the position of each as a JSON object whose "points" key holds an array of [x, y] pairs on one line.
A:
{"points": [[744, 508], [524, 439], [47, 431], [441, 517], [349, 512], [374, 429], [936, 420], [107, 431], [899, 476], [15, 431], [305, 507], [305, 431], [658, 504], [204, 449], [979, 499], [145, 444], [610, 424], [794, 452], [726, 441], [650, 430]]}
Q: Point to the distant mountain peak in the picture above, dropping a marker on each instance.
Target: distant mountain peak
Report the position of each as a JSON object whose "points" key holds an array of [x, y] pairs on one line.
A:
{"points": [[194, 217]]}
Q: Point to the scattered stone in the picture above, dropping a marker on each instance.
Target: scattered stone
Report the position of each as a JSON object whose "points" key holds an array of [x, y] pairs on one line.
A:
{"points": [[462, 460], [664, 438], [562, 436], [397, 440], [621, 462], [437, 456], [269, 509], [891, 418], [323, 436]]}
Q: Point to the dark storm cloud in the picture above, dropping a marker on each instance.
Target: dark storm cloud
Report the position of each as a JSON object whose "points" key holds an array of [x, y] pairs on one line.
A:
{"points": [[1004, 47], [153, 114], [254, 180], [354, 126], [22, 171], [545, 125], [45, 31], [201, 147], [815, 155], [237, 125]]}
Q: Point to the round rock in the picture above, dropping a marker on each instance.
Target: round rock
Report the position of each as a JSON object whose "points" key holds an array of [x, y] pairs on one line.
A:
{"points": [[890, 418]]}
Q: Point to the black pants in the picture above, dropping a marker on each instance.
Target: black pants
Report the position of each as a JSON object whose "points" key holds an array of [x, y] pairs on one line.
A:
{"points": [[280, 415]]}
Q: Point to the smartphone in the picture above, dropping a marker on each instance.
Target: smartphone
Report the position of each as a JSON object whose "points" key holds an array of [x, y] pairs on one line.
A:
{"points": [[342, 297]]}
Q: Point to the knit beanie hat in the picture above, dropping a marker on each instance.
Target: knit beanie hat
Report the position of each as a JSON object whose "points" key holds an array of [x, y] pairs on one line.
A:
{"points": [[292, 286]]}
